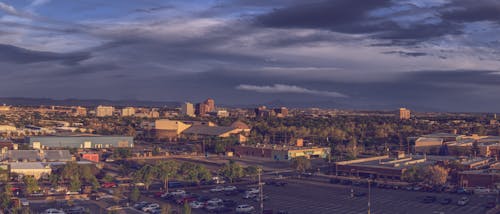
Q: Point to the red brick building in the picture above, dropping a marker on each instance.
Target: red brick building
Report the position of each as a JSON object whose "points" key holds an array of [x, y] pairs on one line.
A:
{"points": [[91, 157]]}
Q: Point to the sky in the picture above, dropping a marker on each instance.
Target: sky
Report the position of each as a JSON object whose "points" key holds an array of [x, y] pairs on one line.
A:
{"points": [[427, 55]]}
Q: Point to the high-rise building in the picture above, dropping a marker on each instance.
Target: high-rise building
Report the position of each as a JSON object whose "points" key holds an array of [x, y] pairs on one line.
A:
{"points": [[281, 112], [201, 109], [187, 109], [404, 114], [104, 111], [128, 111], [210, 104]]}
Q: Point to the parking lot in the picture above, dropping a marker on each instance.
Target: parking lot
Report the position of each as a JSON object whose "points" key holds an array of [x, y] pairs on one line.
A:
{"points": [[303, 196]]}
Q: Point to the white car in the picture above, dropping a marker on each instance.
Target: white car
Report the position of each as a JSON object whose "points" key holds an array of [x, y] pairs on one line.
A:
{"points": [[245, 208], [150, 207], [178, 192], [249, 195], [482, 190], [230, 188], [196, 205], [463, 201], [253, 191], [215, 201], [217, 189], [53, 211]]}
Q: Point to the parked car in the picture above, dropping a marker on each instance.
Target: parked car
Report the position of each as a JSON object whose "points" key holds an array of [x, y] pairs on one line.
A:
{"points": [[359, 194], [53, 211], [490, 204], [429, 199], [209, 207], [462, 190], [445, 201], [215, 201], [140, 205], [231, 193], [230, 188], [253, 191], [150, 207], [178, 192], [185, 198], [463, 201], [249, 195], [196, 205], [307, 174], [109, 185], [481, 190], [264, 198], [229, 203], [222, 209], [334, 181], [217, 189], [245, 208]]}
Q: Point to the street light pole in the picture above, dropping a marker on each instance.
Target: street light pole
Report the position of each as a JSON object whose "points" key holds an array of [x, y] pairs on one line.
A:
{"points": [[261, 195], [369, 195]]}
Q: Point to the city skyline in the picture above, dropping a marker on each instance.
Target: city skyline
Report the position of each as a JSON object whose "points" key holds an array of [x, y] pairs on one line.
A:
{"points": [[430, 55]]}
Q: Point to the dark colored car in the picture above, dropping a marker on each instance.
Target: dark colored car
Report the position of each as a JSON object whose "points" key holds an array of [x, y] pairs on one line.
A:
{"points": [[445, 201], [229, 203], [359, 194], [429, 199], [334, 180], [345, 182], [490, 204]]}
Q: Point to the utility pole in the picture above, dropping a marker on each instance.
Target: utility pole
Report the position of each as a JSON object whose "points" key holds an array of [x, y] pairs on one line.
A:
{"points": [[369, 195], [261, 195]]}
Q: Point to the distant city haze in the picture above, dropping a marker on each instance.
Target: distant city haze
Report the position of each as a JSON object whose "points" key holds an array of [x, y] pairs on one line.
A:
{"points": [[376, 55]]}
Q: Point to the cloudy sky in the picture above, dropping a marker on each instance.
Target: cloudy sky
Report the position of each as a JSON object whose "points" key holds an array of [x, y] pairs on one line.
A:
{"points": [[423, 54]]}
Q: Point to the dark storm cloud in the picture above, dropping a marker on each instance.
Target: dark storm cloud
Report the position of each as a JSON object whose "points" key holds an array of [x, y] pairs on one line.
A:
{"points": [[406, 54], [13, 54], [347, 16], [458, 77], [353, 17], [472, 11]]}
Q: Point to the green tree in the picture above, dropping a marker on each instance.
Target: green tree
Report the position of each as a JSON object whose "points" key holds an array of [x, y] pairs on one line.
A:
{"points": [[5, 197], [167, 170], [54, 179], [435, 175], [31, 184], [232, 170], [301, 164], [194, 172], [413, 174], [75, 184], [252, 171], [146, 175], [135, 194]]}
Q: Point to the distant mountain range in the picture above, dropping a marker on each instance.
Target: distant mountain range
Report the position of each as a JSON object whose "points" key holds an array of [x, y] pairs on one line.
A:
{"points": [[22, 101]]}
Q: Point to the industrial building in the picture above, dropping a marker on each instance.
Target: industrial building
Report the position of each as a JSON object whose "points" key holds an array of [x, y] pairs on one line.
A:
{"points": [[83, 142], [280, 153]]}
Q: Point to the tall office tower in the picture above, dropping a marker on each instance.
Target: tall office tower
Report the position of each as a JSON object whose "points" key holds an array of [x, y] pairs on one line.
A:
{"points": [[104, 111], [201, 109], [210, 104], [404, 114], [187, 109]]}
